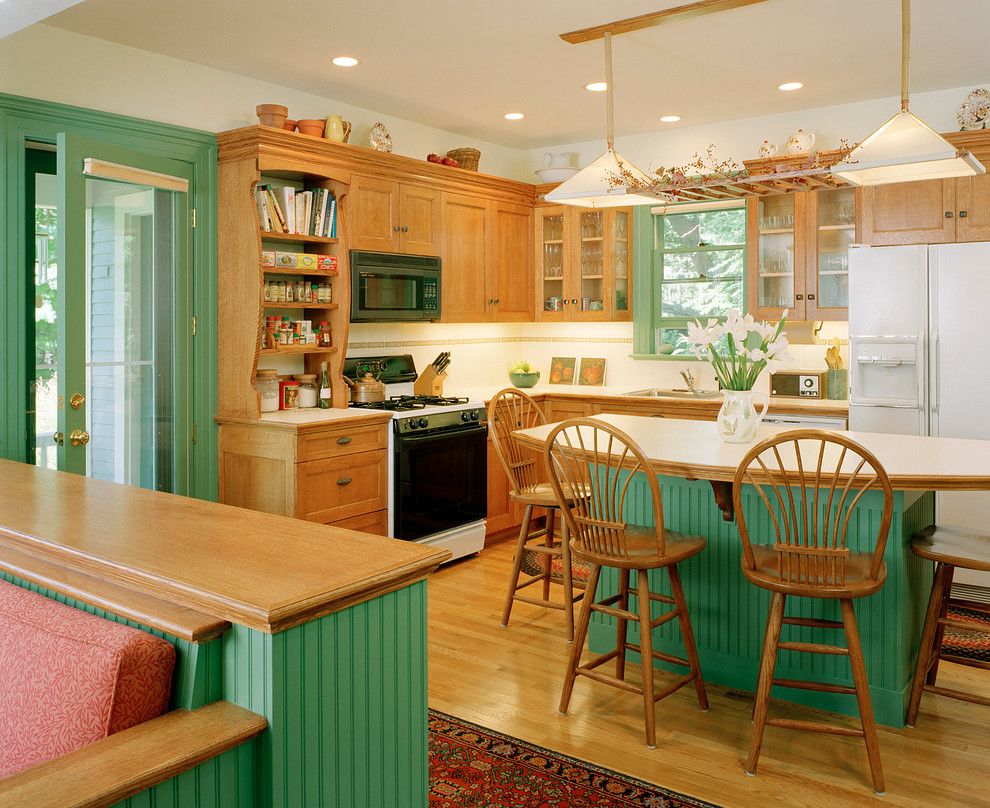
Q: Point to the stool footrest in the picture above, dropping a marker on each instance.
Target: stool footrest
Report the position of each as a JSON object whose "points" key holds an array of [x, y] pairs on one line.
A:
{"points": [[542, 549], [958, 660], [619, 614], [822, 687], [662, 598], [605, 679], [812, 622], [661, 655], [549, 604], [814, 726], [814, 648], [665, 618], [963, 625], [972, 698]]}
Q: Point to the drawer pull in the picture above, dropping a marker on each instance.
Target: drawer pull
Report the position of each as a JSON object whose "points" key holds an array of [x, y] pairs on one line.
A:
{"points": [[344, 440], [344, 481]]}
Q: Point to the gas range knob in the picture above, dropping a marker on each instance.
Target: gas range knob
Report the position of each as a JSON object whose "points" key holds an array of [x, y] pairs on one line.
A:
{"points": [[423, 423], [474, 415], [465, 416], [413, 423]]}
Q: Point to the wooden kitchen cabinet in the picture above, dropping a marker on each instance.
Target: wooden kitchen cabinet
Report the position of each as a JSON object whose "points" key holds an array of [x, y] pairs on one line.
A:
{"points": [[331, 473], [563, 407], [389, 216], [582, 263], [798, 247], [503, 512], [486, 248], [928, 212]]}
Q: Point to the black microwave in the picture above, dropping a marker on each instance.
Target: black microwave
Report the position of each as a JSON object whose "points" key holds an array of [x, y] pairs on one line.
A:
{"points": [[394, 288]]}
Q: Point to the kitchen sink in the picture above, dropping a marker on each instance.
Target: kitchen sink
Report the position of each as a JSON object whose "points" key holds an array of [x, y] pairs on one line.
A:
{"points": [[675, 392]]}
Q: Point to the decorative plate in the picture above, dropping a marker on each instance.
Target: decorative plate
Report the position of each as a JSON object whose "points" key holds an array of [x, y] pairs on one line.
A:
{"points": [[380, 139], [974, 111]]}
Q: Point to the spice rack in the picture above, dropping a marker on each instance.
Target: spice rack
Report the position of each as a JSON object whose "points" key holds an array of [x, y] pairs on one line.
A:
{"points": [[249, 158]]}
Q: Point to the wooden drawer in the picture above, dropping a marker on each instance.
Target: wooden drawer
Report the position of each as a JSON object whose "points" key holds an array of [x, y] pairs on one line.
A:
{"points": [[375, 522], [342, 487], [341, 440]]}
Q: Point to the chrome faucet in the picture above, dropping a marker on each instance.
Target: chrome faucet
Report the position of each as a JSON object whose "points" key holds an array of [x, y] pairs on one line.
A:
{"points": [[689, 380]]}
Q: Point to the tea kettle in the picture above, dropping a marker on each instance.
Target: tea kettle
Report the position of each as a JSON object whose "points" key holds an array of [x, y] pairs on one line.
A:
{"points": [[366, 390]]}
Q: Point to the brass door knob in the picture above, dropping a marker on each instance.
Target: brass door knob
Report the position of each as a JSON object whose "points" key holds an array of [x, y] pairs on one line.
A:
{"points": [[78, 437], [77, 400], [59, 438]]}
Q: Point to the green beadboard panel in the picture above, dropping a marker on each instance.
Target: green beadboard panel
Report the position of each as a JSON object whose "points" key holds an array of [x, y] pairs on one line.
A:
{"points": [[226, 781], [729, 615], [197, 679], [345, 698]]}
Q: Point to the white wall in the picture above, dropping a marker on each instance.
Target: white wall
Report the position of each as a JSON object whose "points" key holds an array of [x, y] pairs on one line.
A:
{"points": [[56, 65], [741, 139]]}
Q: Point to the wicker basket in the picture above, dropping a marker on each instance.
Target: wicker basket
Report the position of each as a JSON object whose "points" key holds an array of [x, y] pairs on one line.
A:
{"points": [[466, 158]]}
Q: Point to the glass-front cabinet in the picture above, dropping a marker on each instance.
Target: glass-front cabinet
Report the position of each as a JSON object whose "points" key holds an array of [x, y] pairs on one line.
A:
{"points": [[832, 220], [583, 263], [799, 254], [776, 255]]}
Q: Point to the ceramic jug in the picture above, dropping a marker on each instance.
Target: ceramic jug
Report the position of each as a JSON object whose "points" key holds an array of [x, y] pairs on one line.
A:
{"points": [[768, 149], [560, 160], [335, 129], [800, 142]]}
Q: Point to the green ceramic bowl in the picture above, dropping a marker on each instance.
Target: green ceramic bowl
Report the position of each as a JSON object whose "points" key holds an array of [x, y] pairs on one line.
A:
{"points": [[525, 379]]}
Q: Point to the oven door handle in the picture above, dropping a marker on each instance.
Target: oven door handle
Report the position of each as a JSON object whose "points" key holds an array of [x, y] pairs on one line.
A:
{"points": [[413, 440]]}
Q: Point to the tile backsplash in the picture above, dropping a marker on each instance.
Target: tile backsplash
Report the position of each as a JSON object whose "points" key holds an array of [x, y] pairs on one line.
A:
{"points": [[481, 353]]}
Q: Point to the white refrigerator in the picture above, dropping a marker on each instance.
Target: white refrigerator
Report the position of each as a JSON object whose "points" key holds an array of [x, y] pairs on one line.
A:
{"points": [[919, 318]]}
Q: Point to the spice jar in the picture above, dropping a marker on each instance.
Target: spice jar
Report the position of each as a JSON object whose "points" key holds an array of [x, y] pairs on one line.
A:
{"points": [[323, 337], [307, 389], [266, 383]]}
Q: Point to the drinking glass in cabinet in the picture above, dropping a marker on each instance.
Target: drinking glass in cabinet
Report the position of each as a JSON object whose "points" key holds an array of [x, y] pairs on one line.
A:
{"points": [[591, 224]]}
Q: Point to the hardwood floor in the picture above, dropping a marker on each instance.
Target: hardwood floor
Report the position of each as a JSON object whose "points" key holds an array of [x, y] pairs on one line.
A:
{"points": [[509, 680]]}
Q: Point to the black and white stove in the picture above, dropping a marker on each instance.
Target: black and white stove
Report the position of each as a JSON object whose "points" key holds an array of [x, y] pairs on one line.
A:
{"points": [[438, 450]]}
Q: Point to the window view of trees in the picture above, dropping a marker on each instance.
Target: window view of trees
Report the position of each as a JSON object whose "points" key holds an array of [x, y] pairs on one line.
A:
{"points": [[700, 271]]}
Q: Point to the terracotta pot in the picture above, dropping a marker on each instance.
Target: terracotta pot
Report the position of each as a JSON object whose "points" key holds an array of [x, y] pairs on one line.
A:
{"points": [[272, 114], [311, 127], [289, 125]]}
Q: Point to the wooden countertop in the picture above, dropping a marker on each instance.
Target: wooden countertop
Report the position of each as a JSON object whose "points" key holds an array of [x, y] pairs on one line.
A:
{"points": [[259, 570], [693, 450], [309, 419], [613, 395]]}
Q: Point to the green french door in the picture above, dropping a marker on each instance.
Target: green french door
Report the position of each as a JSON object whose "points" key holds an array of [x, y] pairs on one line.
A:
{"points": [[118, 390]]}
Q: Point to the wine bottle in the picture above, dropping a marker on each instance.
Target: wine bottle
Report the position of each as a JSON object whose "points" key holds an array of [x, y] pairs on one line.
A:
{"points": [[323, 383]]}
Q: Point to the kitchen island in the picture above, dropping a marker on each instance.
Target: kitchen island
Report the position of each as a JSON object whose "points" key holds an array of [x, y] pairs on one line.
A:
{"points": [[319, 629], [729, 614]]}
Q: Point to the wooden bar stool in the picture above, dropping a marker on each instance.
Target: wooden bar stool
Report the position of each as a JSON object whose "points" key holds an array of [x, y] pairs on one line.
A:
{"points": [[593, 457], [948, 548], [508, 411], [810, 482]]}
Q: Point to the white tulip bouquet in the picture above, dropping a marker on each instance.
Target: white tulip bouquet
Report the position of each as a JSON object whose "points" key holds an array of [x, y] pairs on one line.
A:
{"points": [[740, 348]]}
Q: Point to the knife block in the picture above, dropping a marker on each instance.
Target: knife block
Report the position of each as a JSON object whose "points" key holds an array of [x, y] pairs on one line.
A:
{"points": [[429, 383]]}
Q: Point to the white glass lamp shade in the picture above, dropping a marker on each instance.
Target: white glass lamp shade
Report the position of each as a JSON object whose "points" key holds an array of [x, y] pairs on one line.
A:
{"points": [[609, 182], [905, 149]]}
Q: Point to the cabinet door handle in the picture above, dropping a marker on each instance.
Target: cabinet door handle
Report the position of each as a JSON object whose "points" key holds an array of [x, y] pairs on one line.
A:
{"points": [[948, 214], [405, 228], [573, 301], [799, 297], [395, 228], [344, 481], [963, 214], [811, 296], [496, 301], [344, 440]]}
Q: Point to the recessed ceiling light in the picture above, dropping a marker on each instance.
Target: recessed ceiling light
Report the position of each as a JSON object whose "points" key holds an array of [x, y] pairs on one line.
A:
{"points": [[670, 118], [513, 116], [596, 86], [788, 86], [345, 61]]}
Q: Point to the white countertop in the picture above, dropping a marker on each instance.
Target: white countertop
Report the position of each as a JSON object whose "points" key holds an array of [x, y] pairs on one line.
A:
{"points": [[693, 449]]}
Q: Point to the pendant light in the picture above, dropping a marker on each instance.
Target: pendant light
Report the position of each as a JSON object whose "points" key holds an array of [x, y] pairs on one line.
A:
{"points": [[611, 180], [905, 148]]}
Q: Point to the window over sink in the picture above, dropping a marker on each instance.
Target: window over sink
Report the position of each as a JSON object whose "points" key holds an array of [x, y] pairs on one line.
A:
{"points": [[697, 271]]}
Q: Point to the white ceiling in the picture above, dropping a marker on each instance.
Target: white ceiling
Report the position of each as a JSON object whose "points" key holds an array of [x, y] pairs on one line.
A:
{"points": [[460, 65]]}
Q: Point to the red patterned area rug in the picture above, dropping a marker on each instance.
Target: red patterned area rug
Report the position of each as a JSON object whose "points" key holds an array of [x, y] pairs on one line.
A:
{"points": [[474, 767], [973, 645]]}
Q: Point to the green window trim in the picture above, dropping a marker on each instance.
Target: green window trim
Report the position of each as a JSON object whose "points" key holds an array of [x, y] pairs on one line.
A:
{"points": [[648, 253]]}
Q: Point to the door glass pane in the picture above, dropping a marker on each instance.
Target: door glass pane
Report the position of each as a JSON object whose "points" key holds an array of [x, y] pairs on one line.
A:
{"points": [[836, 229], [45, 389], [776, 274], [592, 261], [620, 260], [129, 333], [553, 262]]}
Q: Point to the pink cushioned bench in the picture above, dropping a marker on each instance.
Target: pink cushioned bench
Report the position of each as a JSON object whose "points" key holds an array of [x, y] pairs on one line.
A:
{"points": [[69, 678]]}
